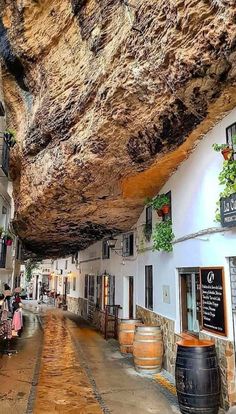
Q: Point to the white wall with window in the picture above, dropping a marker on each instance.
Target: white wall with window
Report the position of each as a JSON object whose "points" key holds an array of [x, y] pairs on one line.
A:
{"points": [[194, 192], [111, 269]]}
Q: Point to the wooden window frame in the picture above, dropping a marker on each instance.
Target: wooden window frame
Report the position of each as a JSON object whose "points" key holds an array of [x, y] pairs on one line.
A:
{"points": [[148, 289], [105, 250], [128, 244], [231, 130]]}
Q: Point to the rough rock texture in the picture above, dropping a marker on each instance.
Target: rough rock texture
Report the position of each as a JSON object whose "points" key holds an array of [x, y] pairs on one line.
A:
{"points": [[107, 97]]}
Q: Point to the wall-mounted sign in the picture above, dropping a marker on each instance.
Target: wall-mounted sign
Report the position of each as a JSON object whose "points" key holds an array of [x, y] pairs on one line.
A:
{"points": [[213, 300], [228, 211]]}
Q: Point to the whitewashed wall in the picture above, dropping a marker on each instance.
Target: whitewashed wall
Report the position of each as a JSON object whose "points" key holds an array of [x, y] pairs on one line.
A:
{"points": [[91, 263], [194, 192]]}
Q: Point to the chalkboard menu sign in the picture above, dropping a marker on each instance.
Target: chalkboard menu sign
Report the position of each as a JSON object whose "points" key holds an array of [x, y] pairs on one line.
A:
{"points": [[213, 297], [228, 211]]}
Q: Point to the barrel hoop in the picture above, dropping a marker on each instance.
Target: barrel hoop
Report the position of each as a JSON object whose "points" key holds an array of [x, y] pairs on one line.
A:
{"points": [[147, 340], [197, 395], [126, 330], [157, 333], [146, 367], [147, 358]]}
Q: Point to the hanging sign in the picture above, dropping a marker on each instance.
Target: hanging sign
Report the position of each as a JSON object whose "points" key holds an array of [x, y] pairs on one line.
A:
{"points": [[228, 211], [213, 300]]}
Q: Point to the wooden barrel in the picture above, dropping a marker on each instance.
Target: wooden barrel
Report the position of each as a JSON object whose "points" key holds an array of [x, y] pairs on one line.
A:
{"points": [[197, 377], [126, 334], [148, 349]]}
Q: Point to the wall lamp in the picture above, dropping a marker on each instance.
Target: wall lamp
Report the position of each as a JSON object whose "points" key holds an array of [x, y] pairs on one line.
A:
{"points": [[111, 242]]}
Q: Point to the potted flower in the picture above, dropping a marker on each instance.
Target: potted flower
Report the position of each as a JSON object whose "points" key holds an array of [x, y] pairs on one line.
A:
{"points": [[225, 150], [9, 137], [1, 231], [8, 238], [161, 204]]}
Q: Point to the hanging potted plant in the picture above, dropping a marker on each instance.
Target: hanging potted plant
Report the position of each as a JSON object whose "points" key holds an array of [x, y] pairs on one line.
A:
{"points": [[163, 236], [225, 150], [8, 238], [161, 204]]}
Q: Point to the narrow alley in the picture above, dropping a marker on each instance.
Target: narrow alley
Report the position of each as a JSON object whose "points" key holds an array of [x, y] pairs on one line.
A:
{"points": [[117, 206], [90, 373]]}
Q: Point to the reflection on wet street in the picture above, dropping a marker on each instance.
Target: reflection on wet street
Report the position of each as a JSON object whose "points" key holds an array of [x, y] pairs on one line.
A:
{"points": [[63, 386]]}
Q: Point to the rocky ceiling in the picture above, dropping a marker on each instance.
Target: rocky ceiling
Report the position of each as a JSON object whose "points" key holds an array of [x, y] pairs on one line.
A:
{"points": [[107, 98]]}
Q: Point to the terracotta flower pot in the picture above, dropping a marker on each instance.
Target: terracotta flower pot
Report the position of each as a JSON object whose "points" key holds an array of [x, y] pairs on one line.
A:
{"points": [[227, 153], [166, 209], [9, 242]]}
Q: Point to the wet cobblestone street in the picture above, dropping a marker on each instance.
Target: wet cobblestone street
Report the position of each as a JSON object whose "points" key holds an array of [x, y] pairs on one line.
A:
{"points": [[63, 386]]}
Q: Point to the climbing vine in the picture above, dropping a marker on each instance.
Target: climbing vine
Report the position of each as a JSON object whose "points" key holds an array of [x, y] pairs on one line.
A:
{"points": [[163, 236], [227, 178]]}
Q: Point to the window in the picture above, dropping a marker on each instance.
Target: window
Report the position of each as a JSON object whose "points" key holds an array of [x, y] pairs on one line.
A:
{"points": [[61, 271], [74, 283], [57, 265], [86, 287], [89, 287], [105, 250], [190, 300], [66, 264], [148, 287], [73, 259], [99, 292], [128, 244], [18, 250], [148, 224], [168, 216], [109, 290], [2, 110], [230, 134], [149, 216]]}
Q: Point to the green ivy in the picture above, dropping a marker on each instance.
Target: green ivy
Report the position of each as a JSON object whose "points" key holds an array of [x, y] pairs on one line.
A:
{"points": [[158, 202], [163, 236], [227, 178]]}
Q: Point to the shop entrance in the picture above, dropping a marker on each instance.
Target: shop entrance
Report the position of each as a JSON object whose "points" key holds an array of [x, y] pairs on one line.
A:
{"points": [[190, 300]]}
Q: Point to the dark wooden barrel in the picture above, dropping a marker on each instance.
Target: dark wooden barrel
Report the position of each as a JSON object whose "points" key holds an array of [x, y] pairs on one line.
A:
{"points": [[148, 349], [197, 377], [126, 334]]}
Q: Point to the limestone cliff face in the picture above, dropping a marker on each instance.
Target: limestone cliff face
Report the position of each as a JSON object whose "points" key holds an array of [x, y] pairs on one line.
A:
{"points": [[107, 97]]}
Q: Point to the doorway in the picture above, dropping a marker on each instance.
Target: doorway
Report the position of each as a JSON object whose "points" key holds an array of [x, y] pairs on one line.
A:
{"points": [[131, 297], [190, 298]]}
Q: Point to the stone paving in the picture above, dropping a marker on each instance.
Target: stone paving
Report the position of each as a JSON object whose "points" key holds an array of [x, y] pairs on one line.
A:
{"points": [[91, 374]]}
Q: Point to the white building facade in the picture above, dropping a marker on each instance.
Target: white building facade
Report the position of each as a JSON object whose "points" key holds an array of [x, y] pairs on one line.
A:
{"points": [[10, 255], [191, 289]]}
